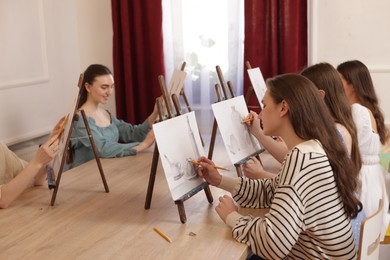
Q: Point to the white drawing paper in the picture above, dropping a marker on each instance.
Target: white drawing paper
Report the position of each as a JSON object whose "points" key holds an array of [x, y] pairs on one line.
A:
{"points": [[258, 83], [179, 142], [239, 142]]}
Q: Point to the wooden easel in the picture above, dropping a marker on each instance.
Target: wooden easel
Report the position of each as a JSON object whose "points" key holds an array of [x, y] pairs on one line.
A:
{"points": [[183, 94], [180, 202], [250, 90], [67, 146], [220, 98], [165, 95]]}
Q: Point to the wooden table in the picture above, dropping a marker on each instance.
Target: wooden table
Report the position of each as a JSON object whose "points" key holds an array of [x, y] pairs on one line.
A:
{"points": [[87, 223]]}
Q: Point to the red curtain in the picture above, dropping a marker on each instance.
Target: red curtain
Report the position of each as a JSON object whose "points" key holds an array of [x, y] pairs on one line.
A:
{"points": [[275, 36], [138, 57]]}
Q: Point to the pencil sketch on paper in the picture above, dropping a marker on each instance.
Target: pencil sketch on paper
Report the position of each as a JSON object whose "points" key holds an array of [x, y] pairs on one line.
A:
{"points": [[258, 83], [239, 142], [179, 143]]}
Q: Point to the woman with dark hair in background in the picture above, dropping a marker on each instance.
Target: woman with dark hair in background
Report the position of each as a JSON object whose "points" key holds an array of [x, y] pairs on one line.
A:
{"points": [[327, 80], [371, 132], [112, 137]]}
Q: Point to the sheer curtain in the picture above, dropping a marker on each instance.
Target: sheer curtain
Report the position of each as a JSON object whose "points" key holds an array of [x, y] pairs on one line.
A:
{"points": [[204, 34]]}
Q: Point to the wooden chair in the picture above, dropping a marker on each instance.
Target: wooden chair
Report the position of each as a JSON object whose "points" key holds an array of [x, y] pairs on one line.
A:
{"points": [[370, 234]]}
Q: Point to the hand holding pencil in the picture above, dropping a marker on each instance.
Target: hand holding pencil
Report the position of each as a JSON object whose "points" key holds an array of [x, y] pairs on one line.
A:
{"points": [[214, 166], [248, 119], [208, 171], [252, 120]]}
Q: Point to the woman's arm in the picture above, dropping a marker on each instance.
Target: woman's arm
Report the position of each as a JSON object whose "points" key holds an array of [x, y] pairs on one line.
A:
{"points": [[254, 170], [129, 133], [34, 173], [277, 148], [106, 142], [273, 236], [246, 192], [153, 116]]}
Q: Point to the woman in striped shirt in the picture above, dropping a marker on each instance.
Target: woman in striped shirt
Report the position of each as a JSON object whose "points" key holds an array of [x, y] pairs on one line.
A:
{"points": [[312, 199]]}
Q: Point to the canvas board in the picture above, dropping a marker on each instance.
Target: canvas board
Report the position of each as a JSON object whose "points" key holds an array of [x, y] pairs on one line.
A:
{"points": [[174, 87], [177, 82], [56, 162], [178, 142], [258, 83], [239, 142]]}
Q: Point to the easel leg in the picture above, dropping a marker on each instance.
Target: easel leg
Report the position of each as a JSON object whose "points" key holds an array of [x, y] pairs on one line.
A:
{"points": [[53, 197], [208, 194], [212, 140], [152, 178], [94, 150], [238, 170], [61, 169], [258, 158], [182, 212]]}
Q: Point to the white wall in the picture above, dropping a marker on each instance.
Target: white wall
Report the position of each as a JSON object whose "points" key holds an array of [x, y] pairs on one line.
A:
{"points": [[96, 36], [44, 46], [353, 29]]}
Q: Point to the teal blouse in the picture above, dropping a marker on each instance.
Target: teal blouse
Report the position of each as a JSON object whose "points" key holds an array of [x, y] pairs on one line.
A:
{"points": [[115, 140]]}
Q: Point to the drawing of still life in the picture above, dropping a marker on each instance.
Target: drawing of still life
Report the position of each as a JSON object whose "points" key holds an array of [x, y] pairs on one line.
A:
{"points": [[258, 83], [179, 143], [239, 142]]}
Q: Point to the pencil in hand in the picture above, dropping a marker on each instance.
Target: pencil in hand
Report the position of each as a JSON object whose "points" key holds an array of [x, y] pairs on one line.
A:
{"points": [[214, 166], [61, 128], [247, 120]]}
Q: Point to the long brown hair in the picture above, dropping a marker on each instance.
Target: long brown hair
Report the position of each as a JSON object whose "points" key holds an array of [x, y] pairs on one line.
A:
{"points": [[357, 74], [311, 119], [89, 75], [325, 77]]}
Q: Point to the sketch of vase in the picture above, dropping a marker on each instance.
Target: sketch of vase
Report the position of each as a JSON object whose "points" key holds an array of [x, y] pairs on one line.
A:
{"points": [[176, 168], [191, 171], [239, 129], [232, 143]]}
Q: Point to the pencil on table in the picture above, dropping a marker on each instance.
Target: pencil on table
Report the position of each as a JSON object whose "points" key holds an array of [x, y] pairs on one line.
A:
{"points": [[214, 166], [162, 234]]}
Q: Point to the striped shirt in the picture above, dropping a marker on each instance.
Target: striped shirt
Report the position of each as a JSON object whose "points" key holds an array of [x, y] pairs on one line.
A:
{"points": [[306, 218]]}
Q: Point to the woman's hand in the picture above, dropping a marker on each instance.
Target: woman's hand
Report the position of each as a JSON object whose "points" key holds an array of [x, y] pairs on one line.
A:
{"points": [[46, 152], [225, 207], [254, 125], [208, 172], [253, 168], [146, 143], [153, 116]]}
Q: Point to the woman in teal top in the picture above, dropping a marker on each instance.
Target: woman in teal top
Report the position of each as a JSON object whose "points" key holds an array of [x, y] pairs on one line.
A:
{"points": [[112, 137]]}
